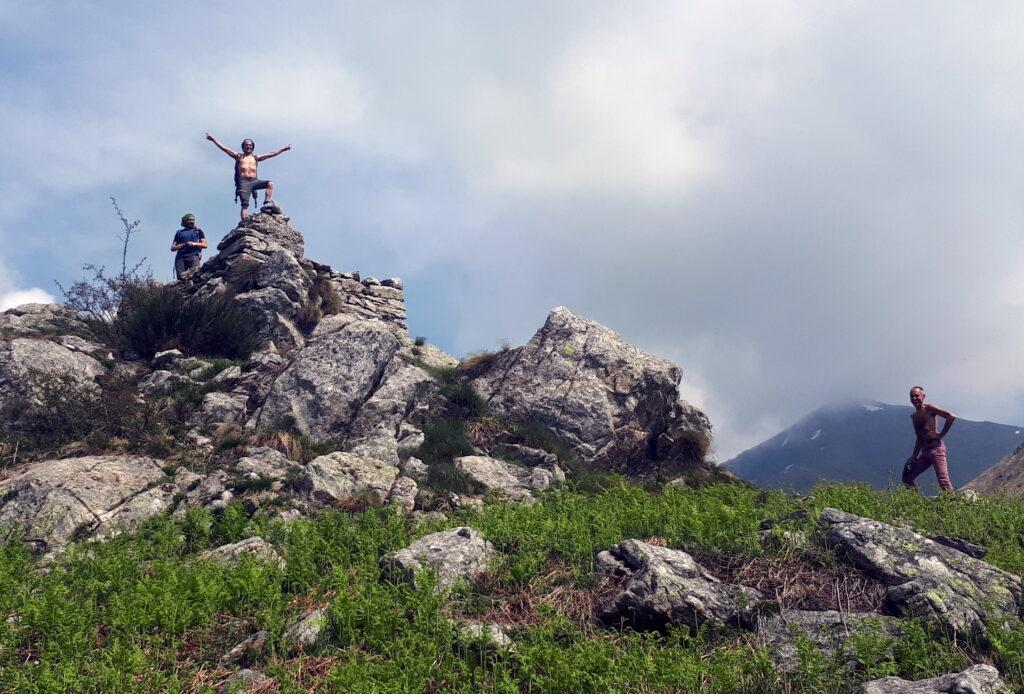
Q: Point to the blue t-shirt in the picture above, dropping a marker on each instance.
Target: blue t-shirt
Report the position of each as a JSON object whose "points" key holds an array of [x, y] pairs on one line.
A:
{"points": [[186, 235]]}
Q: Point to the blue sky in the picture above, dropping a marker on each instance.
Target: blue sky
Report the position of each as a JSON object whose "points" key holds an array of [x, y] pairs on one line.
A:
{"points": [[796, 202]]}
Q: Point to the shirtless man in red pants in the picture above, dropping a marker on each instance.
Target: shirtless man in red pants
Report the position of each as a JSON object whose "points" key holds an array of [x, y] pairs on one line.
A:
{"points": [[929, 450]]}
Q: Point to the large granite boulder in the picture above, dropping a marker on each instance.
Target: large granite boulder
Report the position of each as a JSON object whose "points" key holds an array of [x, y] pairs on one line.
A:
{"points": [[666, 587], [616, 406], [453, 555], [55, 501], [978, 679], [326, 383], [29, 368], [927, 579]]}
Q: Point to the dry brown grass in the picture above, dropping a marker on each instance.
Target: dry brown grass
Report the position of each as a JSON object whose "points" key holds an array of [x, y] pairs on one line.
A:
{"points": [[552, 587], [288, 444], [798, 582], [486, 431], [479, 363]]}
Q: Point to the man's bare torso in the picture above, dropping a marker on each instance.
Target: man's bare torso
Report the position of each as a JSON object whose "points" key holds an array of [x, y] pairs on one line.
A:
{"points": [[924, 425], [247, 166]]}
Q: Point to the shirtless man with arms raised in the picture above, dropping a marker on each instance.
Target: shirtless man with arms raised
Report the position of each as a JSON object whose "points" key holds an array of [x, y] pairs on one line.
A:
{"points": [[929, 449], [246, 182]]}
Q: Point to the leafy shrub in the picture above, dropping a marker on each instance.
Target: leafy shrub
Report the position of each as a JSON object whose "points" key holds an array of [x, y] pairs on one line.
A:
{"points": [[444, 440], [153, 318]]}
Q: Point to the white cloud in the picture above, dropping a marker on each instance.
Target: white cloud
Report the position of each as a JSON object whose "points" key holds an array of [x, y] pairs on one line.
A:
{"points": [[10, 299]]}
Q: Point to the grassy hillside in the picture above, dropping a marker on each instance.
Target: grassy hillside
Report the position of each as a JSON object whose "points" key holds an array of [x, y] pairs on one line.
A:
{"points": [[141, 613]]}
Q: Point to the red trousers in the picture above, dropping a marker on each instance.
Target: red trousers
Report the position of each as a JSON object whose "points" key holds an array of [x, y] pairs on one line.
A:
{"points": [[931, 456]]}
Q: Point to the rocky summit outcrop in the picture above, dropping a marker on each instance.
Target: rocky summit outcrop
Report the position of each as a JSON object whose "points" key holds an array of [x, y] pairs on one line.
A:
{"points": [[261, 261], [35, 320], [666, 587], [927, 579], [618, 407], [55, 501], [978, 679]]}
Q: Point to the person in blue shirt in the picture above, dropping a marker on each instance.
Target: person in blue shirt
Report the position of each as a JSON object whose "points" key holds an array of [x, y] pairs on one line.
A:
{"points": [[189, 242]]}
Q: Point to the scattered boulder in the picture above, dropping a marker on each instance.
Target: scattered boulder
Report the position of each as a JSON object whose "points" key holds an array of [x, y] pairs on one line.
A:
{"points": [[459, 553], [266, 463], [161, 381], [221, 408], [242, 681], [233, 553], [310, 630], [488, 634], [339, 475], [615, 405], [56, 501], [827, 630], [667, 587], [211, 491], [161, 360], [978, 679], [926, 579], [416, 469], [510, 480], [247, 650], [403, 494]]}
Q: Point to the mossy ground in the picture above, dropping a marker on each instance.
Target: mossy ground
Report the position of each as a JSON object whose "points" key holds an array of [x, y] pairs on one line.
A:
{"points": [[142, 613]]}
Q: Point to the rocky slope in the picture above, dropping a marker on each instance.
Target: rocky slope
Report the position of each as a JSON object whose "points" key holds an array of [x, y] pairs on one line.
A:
{"points": [[1005, 477], [335, 369]]}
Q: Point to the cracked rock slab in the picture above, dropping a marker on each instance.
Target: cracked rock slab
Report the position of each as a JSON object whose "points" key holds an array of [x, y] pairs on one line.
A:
{"points": [[927, 579], [327, 381], [55, 501], [496, 475], [453, 555], [979, 679], [667, 587]]}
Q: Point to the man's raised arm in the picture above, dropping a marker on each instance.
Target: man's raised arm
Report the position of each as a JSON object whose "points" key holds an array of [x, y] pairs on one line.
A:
{"points": [[230, 152], [268, 155]]}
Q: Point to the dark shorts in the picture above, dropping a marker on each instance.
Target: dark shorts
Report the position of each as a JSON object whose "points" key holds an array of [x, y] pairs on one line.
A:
{"points": [[184, 263], [247, 188]]}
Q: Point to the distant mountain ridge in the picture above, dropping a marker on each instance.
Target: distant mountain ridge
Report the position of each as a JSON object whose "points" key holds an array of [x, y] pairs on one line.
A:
{"points": [[867, 441]]}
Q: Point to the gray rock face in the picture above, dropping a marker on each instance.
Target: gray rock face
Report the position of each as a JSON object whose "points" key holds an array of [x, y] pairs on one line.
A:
{"points": [[927, 579], [416, 469], [55, 501], [210, 491], [233, 553], [979, 679], [337, 476], [667, 587], [459, 553], [322, 390], [41, 319], [616, 406], [827, 630], [497, 475], [490, 634], [28, 366], [246, 650]]}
